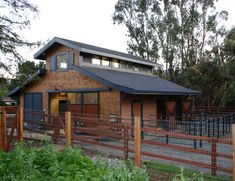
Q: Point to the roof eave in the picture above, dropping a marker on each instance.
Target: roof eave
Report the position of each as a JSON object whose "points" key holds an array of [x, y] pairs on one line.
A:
{"points": [[193, 93], [41, 53], [28, 80]]}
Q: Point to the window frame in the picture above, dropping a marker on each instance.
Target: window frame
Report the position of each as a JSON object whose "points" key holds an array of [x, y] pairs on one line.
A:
{"points": [[67, 61]]}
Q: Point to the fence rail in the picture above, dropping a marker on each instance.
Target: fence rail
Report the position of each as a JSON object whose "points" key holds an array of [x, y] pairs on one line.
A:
{"points": [[139, 139]]}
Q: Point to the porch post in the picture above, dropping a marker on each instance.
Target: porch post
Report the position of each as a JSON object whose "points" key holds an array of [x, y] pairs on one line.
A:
{"points": [[68, 128]]}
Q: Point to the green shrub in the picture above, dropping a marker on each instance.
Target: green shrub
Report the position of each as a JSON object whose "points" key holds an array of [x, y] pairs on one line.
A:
{"points": [[182, 176], [47, 164]]}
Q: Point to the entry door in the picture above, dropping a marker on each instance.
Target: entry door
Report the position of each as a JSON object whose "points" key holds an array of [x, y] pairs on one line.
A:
{"points": [[161, 110], [62, 107], [136, 111]]}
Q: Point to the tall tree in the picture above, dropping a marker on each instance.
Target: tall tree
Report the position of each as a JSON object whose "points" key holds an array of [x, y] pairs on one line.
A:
{"points": [[177, 31], [15, 15], [25, 70]]}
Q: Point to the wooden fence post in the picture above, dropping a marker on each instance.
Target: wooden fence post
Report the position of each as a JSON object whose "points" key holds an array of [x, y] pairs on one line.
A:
{"points": [[20, 117], [2, 133], [56, 129], [3, 130], [137, 140], [125, 141], [213, 157], [68, 128], [233, 141]]}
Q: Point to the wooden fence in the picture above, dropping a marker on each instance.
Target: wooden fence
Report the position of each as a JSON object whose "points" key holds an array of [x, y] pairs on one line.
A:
{"points": [[89, 132]]}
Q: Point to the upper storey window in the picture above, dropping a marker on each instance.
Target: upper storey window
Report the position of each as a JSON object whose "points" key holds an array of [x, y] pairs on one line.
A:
{"points": [[105, 62], [115, 63], [95, 60], [62, 61]]}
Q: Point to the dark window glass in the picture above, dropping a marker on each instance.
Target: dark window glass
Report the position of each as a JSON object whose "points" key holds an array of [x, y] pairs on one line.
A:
{"points": [[86, 59], [123, 65], [130, 66], [90, 98]]}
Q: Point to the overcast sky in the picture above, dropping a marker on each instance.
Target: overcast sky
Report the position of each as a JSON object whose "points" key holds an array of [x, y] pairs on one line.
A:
{"points": [[87, 21]]}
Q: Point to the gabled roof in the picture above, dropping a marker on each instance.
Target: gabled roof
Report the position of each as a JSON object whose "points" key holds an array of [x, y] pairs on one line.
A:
{"points": [[82, 47], [27, 81], [133, 83]]}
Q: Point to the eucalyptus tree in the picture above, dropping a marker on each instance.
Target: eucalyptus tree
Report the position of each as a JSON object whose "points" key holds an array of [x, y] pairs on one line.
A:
{"points": [[177, 31]]}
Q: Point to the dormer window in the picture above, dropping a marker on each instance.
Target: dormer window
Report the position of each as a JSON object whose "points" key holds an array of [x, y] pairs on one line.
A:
{"points": [[62, 61]]}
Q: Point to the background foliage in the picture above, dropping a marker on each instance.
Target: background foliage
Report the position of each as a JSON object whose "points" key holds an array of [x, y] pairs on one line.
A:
{"points": [[189, 36]]}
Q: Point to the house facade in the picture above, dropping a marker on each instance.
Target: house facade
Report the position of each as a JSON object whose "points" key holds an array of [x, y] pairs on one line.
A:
{"points": [[90, 80]]}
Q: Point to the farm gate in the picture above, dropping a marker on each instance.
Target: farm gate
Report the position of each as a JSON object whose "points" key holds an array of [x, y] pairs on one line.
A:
{"points": [[11, 126]]}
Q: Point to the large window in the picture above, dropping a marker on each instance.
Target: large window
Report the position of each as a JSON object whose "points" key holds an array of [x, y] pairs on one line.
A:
{"points": [[90, 98], [62, 61], [74, 98], [83, 98]]}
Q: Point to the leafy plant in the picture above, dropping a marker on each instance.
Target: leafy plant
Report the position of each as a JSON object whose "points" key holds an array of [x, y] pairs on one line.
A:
{"points": [[47, 164], [182, 177]]}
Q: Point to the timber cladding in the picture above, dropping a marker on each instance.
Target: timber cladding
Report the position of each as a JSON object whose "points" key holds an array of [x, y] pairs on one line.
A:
{"points": [[109, 101], [61, 49]]}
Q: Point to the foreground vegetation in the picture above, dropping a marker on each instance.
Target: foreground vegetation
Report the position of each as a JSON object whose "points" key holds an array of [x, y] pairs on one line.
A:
{"points": [[45, 163], [174, 173]]}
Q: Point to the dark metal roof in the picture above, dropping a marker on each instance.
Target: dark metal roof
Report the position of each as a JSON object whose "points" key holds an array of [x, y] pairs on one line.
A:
{"points": [[82, 47], [134, 83], [27, 81], [131, 83]]}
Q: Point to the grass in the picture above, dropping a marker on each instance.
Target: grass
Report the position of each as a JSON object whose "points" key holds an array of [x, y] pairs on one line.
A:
{"points": [[174, 170]]}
